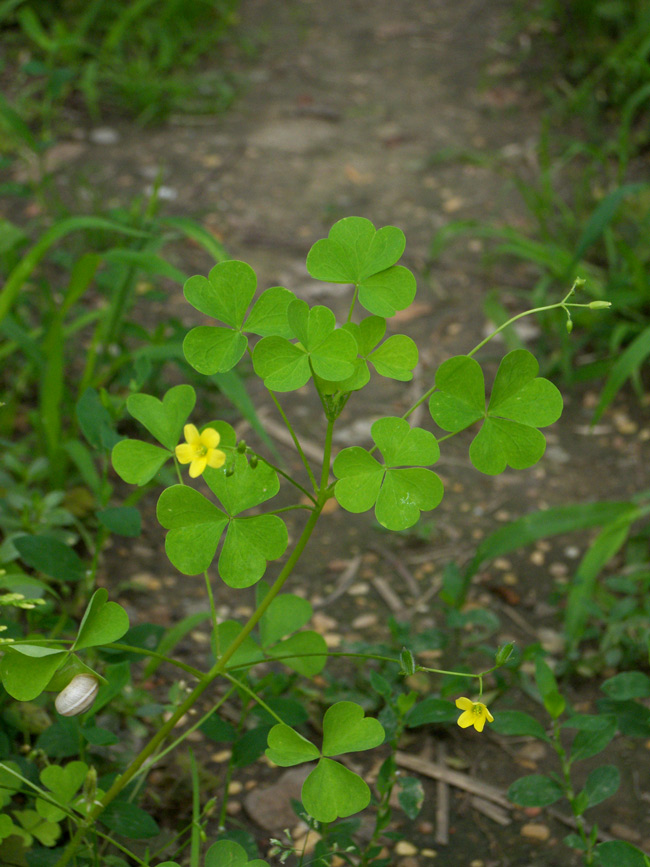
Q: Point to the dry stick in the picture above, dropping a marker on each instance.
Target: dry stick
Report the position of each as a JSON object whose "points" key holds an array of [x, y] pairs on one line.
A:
{"points": [[491, 811], [390, 598], [453, 778], [344, 582], [280, 433], [442, 801], [403, 571]]}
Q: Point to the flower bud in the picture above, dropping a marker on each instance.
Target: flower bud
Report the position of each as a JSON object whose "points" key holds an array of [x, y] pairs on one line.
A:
{"points": [[78, 695], [600, 305], [569, 326], [241, 446], [253, 462]]}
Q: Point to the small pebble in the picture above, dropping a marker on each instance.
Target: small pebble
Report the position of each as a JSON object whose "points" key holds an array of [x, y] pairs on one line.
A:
{"points": [[104, 135], [531, 831], [403, 847]]}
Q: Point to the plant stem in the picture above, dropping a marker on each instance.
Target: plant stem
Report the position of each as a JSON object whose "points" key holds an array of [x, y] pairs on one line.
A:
{"points": [[295, 439]]}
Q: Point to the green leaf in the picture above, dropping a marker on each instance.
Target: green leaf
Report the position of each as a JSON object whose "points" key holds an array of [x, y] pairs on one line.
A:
{"points": [[63, 782], [27, 669], [535, 791], [431, 710], [332, 352], [287, 747], [249, 544], [618, 853], [355, 253], [347, 730], [246, 654], [399, 493], [396, 358], [136, 462], [305, 645], [195, 526], [227, 853], [269, 314], [245, 487], [547, 686], [520, 403], [282, 365], [627, 684], [590, 742], [50, 556], [123, 520], [331, 791], [518, 723], [225, 294], [128, 820], [213, 349], [164, 419], [103, 622], [95, 421], [45, 832], [286, 614], [602, 783], [410, 796], [626, 364]]}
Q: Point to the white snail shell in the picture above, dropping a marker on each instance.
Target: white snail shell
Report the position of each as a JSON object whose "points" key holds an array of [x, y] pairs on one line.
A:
{"points": [[78, 695]]}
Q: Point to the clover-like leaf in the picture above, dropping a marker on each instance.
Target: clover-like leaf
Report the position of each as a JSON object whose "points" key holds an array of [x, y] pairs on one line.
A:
{"points": [[240, 486], [332, 791], [310, 651], [26, 669], [396, 358], [248, 652], [227, 853], [282, 365], [400, 488], [63, 782], [164, 419], [249, 544], [347, 730], [354, 252], [102, 623], [226, 295], [136, 462], [195, 526], [286, 614], [286, 747], [520, 403]]}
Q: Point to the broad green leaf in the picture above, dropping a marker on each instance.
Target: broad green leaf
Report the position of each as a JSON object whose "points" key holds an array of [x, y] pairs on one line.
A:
{"points": [[353, 251], [431, 710], [396, 358], [95, 421], [102, 623], [48, 555], [387, 292], [213, 349], [246, 654], [227, 853], [410, 796], [136, 462], [269, 314], [618, 853], [305, 645], [249, 544], [627, 684], [195, 526], [282, 365], [399, 493], [129, 820], [164, 419], [347, 730], [602, 783], [331, 791], [460, 397], [590, 742], [225, 294], [520, 403], [547, 686], [286, 614], [332, 352], [535, 791], [27, 669], [245, 487], [63, 782], [287, 747], [44, 831], [123, 520], [518, 723], [367, 333]]}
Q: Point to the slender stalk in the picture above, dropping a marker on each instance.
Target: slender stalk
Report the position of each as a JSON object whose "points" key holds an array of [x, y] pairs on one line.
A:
{"points": [[295, 439]]}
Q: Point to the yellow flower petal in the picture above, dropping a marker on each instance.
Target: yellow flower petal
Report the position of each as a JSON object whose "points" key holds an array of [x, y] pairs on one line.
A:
{"points": [[210, 438], [479, 722], [466, 719], [184, 453], [191, 433], [489, 716], [197, 466], [216, 458], [464, 704]]}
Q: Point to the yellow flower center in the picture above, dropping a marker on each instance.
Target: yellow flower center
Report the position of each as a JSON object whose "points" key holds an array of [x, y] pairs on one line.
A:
{"points": [[200, 450]]}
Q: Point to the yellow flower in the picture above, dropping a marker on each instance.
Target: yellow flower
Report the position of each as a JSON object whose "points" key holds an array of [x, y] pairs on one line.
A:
{"points": [[474, 714], [200, 450]]}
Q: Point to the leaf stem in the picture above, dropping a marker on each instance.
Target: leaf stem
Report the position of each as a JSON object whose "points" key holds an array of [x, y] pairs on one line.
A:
{"points": [[295, 439]]}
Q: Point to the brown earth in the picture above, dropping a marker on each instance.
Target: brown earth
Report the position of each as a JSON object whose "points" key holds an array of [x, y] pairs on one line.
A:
{"points": [[346, 109]]}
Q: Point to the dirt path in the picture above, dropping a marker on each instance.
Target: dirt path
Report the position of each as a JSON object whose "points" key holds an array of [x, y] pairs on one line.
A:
{"points": [[346, 109]]}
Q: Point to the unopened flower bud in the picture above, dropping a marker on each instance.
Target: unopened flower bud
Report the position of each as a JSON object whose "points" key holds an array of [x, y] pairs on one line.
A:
{"points": [[569, 326], [241, 446], [600, 305], [253, 461]]}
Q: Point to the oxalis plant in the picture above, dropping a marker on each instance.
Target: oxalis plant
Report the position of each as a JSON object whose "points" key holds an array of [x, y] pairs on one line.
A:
{"points": [[228, 530]]}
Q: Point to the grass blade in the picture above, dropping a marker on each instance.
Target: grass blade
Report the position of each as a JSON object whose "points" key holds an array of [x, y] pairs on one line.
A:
{"points": [[627, 363]]}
